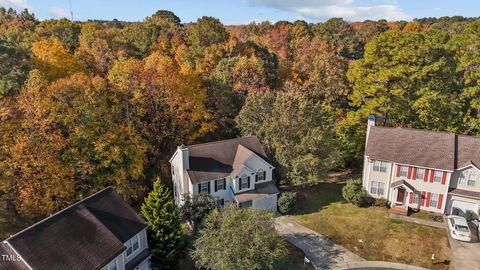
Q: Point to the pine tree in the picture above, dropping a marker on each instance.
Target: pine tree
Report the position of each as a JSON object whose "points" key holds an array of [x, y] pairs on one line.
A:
{"points": [[165, 233]]}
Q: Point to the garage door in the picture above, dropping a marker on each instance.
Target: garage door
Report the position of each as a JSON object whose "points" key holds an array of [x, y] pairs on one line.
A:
{"points": [[463, 207]]}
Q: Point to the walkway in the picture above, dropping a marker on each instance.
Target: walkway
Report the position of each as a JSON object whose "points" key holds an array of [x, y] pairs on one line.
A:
{"points": [[322, 252], [430, 223]]}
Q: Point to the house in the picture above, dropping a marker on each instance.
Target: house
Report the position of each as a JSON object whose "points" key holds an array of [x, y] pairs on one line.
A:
{"points": [[235, 171], [422, 170], [100, 232]]}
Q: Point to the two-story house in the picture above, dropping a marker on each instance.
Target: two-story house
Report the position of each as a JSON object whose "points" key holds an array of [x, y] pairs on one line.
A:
{"points": [[422, 170], [235, 171], [101, 232]]}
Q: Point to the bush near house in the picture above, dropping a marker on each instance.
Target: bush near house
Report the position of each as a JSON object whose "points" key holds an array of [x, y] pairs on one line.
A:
{"points": [[380, 202], [353, 192], [286, 201], [196, 208]]}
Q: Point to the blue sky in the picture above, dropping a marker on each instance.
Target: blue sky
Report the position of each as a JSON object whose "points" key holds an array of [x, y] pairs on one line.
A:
{"points": [[244, 11]]}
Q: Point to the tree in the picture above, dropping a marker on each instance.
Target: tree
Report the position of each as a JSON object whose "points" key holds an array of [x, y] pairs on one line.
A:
{"points": [[13, 67], [238, 238], [338, 33], [205, 32], [297, 132], [164, 225], [196, 208], [353, 192]]}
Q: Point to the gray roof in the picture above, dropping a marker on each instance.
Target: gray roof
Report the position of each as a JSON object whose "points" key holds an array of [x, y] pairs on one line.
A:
{"points": [[468, 151], [215, 160], [412, 146], [85, 235], [10, 264], [261, 190], [464, 193], [402, 183]]}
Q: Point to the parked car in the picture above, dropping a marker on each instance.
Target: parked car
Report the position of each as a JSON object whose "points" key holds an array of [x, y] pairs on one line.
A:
{"points": [[458, 228]]}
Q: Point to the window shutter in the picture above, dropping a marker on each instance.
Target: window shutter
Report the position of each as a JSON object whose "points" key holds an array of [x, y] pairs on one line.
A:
{"points": [[444, 178], [199, 188], [224, 184], [425, 177], [264, 175], [414, 173], [215, 185], [208, 187], [409, 175], [432, 173], [422, 199], [427, 204], [411, 197], [256, 177], [248, 183], [240, 183], [398, 170], [440, 199]]}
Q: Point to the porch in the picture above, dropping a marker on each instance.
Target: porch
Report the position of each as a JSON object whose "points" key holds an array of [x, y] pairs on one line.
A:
{"points": [[399, 191]]}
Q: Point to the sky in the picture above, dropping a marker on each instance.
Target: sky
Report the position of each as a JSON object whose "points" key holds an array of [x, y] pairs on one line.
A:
{"points": [[245, 11]]}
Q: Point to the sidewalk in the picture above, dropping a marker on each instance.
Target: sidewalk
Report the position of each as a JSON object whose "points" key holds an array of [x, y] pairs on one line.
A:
{"points": [[430, 223]]}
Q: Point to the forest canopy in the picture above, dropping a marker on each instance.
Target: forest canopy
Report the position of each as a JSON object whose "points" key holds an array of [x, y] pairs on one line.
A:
{"points": [[85, 105]]}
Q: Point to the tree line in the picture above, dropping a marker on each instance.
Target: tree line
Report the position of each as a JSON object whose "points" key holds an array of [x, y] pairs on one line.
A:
{"points": [[84, 105]]}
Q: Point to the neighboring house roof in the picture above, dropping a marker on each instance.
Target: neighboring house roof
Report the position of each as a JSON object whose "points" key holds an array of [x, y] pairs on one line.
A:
{"points": [[219, 159], [468, 151], [261, 190], [412, 146], [464, 193], [85, 235], [10, 262]]}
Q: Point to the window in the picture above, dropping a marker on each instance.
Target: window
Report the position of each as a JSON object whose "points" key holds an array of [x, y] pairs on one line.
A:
{"points": [[416, 197], [380, 166], [377, 188], [204, 187], [462, 179], [112, 265], [220, 184], [433, 200], [260, 175], [403, 170], [420, 173], [472, 177], [437, 177], [132, 245], [244, 182], [173, 170], [245, 204]]}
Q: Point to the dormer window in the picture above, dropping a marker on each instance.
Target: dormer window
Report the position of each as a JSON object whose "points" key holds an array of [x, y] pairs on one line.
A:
{"points": [[261, 175], [472, 178], [244, 182]]}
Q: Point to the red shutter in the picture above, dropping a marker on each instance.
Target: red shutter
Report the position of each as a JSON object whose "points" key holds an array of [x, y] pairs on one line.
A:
{"points": [[427, 204], [414, 173], [425, 177], [444, 178], [411, 197], [440, 199], [422, 199], [398, 170], [432, 173], [409, 175]]}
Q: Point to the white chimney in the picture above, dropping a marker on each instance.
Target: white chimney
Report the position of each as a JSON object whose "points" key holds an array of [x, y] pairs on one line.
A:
{"points": [[370, 123]]}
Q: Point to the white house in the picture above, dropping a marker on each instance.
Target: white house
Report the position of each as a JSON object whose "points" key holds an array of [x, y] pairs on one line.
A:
{"points": [[422, 170], [235, 171], [101, 232]]}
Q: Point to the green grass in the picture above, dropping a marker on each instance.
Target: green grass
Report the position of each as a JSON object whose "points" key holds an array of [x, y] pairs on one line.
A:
{"points": [[321, 209], [427, 216]]}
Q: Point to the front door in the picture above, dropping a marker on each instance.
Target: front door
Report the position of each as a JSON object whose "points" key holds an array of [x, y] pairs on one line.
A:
{"points": [[400, 195]]}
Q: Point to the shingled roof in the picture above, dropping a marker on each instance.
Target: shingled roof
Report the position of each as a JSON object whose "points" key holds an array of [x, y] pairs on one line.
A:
{"points": [[439, 150], [85, 235], [219, 159]]}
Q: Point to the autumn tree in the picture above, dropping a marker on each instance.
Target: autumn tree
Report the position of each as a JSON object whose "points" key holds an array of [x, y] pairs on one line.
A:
{"points": [[14, 67]]}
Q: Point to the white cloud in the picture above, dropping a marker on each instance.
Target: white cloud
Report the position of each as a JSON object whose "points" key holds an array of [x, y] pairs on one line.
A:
{"points": [[59, 12], [22, 4], [324, 9]]}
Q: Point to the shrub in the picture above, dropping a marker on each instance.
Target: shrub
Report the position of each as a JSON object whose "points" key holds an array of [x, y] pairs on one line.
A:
{"points": [[286, 201], [381, 202], [197, 207], [469, 215], [455, 211], [353, 192]]}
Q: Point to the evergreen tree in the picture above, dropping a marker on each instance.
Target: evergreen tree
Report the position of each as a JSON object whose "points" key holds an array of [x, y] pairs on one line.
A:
{"points": [[165, 233]]}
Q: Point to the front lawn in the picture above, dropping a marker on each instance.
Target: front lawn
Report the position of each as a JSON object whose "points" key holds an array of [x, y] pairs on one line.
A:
{"points": [[369, 232]]}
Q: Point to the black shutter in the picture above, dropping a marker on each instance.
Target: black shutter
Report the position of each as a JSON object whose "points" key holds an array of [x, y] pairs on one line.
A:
{"points": [[264, 175], [256, 177], [240, 183], [248, 183], [208, 187], [215, 185], [199, 188], [224, 184]]}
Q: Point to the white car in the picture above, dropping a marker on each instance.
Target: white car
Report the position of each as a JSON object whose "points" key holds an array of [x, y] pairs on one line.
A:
{"points": [[458, 228]]}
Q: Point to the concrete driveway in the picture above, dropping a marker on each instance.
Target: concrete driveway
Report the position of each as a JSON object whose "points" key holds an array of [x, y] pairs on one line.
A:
{"points": [[465, 256]]}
